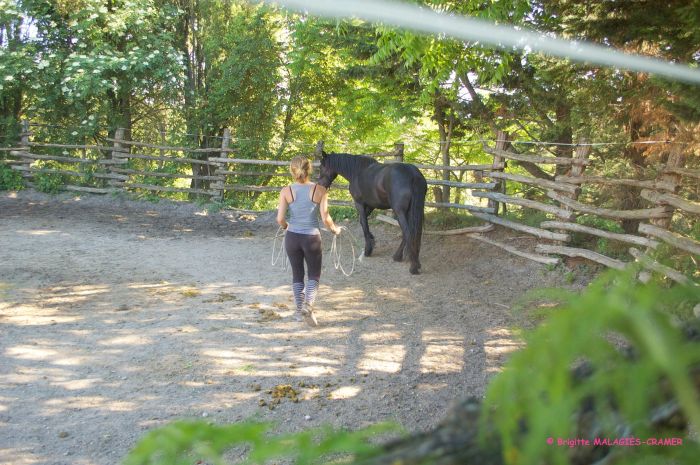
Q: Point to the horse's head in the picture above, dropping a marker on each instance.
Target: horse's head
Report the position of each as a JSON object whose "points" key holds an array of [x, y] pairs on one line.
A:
{"points": [[326, 174]]}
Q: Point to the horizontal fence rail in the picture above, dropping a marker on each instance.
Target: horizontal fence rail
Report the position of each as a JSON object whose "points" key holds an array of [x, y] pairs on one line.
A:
{"points": [[216, 171]]}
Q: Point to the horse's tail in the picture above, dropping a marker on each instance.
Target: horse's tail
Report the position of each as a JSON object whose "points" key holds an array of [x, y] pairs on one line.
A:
{"points": [[415, 216]]}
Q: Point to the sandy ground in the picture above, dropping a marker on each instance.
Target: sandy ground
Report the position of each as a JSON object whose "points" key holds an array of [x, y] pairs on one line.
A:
{"points": [[118, 316]]}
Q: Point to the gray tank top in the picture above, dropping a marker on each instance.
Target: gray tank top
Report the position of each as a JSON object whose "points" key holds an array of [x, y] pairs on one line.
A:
{"points": [[303, 212]]}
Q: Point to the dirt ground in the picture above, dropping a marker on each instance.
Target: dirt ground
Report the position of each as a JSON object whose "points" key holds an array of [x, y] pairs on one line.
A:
{"points": [[118, 316]]}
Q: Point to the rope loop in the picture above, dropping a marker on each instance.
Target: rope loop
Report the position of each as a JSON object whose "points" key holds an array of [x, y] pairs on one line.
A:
{"points": [[278, 252], [337, 250]]}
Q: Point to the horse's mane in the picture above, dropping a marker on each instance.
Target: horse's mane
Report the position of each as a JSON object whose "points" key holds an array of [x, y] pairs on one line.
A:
{"points": [[347, 163]]}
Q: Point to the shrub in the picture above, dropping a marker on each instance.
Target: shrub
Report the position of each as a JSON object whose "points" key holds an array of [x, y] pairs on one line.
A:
{"points": [[50, 183], [10, 180], [636, 361]]}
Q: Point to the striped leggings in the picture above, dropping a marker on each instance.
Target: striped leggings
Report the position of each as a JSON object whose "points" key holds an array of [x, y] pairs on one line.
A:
{"points": [[304, 248]]}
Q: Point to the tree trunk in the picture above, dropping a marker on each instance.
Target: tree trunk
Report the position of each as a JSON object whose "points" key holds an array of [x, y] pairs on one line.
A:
{"points": [[445, 124]]}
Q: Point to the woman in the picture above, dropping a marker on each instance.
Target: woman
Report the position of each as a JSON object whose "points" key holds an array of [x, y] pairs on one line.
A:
{"points": [[304, 200]]}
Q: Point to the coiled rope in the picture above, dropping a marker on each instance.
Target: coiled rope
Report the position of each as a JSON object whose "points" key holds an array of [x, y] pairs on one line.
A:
{"points": [[336, 250], [277, 252]]}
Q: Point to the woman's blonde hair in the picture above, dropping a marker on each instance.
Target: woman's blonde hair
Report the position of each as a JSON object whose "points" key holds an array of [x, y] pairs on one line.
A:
{"points": [[300, 167]]}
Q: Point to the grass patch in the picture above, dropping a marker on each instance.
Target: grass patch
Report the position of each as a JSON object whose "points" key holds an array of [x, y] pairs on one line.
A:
{"points": [[447, 219], [527, 216], [190, 292]]}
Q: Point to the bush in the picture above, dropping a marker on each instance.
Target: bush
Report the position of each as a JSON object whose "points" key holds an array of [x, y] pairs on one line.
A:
{"points": [[612, 355], [187, 442], [50, 183], [10, 180], [343, 213]]}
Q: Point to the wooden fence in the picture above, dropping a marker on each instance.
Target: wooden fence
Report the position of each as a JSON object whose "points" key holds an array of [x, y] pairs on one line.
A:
{"points": [[128, 165]]}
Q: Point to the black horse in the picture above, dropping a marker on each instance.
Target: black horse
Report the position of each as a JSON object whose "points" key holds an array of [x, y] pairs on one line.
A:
{"points": [[398, 186]]}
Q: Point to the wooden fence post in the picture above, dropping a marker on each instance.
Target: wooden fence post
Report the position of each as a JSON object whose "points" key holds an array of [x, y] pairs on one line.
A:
{"points": [[318, 151], [398, 148], [24, 150], [499, 165], [583, 150], [120, 156], [671, 181], [217, 186]]}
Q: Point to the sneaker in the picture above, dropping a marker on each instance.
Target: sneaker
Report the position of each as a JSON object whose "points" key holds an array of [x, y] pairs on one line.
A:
{"points": [[298, 315], [309, 316]]}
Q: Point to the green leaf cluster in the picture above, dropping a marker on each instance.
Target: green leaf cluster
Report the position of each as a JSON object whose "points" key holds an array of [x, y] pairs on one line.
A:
{"points": [[10, 180], [601, 366], [187, 442]]}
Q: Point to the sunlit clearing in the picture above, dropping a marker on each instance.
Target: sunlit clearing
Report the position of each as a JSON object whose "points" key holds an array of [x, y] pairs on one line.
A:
{"points": [[67, 295], [380, 354], [315, 370], [30, 353], [22, 456], [345, 392], [386, 358], [129, 340], [443, 353], [70, 361], [398, 294], [501, 342], [84, 402], [78, 384], [379, 336], [36, 353], [37, 232], [36, 320]]}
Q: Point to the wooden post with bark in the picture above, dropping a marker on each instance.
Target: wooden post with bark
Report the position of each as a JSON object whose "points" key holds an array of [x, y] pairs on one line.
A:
{"points": [[578, 165], [24, 149], [120, 156], [670, 181], [499, 165], [318, 151], [217, 186], [398, 149], [676, 159]]}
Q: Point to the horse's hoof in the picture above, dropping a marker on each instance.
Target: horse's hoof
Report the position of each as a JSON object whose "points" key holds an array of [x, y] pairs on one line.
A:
{"points": [[414, 270], [397, 258], [368, 252]]}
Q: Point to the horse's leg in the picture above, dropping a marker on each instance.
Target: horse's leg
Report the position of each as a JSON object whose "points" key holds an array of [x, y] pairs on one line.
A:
{"points": [[403, 222], [364, 211], [402, 217]]}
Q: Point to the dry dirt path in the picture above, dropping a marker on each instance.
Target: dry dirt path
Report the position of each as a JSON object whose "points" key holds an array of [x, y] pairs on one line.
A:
{"points": [[118, 316]]}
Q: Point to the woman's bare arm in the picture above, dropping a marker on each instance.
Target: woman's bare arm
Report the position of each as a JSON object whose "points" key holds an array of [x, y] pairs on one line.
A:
{"points": [[325, 215], [282, 208]]}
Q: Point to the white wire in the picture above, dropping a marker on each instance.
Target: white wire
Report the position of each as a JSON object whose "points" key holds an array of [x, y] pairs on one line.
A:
{"points": [[276, 256], [422, 19], [336, 251]]}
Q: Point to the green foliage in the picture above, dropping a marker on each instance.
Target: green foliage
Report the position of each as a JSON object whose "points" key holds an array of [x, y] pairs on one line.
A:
{"points": [[448, 219], [342, 213], [50, 183], [526, 216], [536, 397], [10, 180], [187, 442]]}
